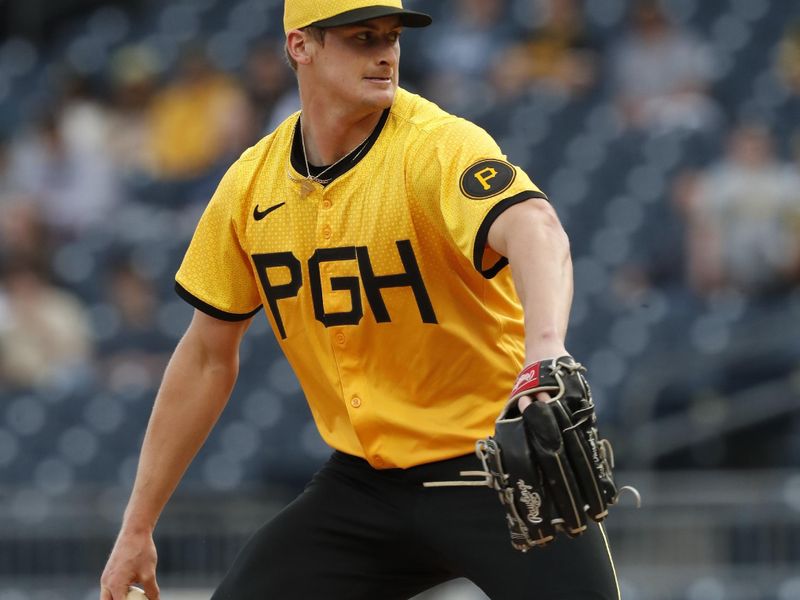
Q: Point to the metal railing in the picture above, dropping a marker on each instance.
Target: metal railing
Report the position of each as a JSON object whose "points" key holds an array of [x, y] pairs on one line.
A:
{"points": [[698, 536]]}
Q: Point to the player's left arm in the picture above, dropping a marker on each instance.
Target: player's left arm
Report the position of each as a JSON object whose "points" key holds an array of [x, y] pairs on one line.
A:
{"points": [[552, 450], [530, 236]]}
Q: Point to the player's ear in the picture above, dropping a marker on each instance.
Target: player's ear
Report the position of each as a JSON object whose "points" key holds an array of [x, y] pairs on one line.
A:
{"points": [[298, 46]]}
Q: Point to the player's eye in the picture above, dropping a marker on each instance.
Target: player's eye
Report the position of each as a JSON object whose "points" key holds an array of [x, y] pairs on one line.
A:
{"points": [[364, 36]]}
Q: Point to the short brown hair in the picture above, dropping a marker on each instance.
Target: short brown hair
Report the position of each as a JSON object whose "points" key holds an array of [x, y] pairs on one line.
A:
{"points": [[318, 33]]}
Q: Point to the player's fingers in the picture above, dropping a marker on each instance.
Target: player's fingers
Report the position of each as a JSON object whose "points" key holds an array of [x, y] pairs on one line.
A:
{"points": [[525, 401], [151, 589], [117, 592]]}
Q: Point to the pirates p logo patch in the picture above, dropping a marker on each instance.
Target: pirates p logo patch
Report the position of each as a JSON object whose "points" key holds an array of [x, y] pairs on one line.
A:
{"points": [[487, 178]]}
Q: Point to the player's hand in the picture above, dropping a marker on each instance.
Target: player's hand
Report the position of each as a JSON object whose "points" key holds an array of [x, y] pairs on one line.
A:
{"points": [[133, 560]]}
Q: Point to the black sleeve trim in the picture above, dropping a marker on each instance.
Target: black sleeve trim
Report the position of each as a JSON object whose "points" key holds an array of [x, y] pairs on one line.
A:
{"points": [[210, 310], [481, 239]]}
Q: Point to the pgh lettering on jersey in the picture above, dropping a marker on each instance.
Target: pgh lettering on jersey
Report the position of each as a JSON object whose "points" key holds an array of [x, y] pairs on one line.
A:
{"points": [[382, 272], [372, 284]]}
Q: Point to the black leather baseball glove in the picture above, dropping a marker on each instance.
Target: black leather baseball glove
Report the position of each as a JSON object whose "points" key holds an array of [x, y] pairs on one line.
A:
{"points": [[548, 464]]}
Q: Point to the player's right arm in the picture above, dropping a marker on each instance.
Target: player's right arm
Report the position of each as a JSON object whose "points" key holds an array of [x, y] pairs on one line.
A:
{"points": [[196, 386]]}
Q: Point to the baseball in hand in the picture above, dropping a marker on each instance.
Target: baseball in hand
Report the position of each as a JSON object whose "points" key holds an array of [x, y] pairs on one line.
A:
{"points": [[135, 593]]}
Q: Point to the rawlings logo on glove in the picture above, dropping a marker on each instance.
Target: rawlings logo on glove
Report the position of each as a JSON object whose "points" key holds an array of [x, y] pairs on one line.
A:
{"points": [[530, 499], [548, 463]]}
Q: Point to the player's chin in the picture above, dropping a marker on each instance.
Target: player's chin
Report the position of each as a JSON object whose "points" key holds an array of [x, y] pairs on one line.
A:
{"points": [[379, 93]]}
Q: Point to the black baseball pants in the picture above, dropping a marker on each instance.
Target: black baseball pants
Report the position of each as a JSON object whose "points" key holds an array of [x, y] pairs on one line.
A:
{"points": [[357, 533]]}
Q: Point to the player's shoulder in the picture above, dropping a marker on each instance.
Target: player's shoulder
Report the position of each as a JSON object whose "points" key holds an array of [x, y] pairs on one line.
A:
{"points": [[264, 155], [428, 120]]}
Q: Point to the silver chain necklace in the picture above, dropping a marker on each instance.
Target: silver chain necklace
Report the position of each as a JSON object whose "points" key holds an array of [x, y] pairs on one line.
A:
{"points": [[306, 185]]}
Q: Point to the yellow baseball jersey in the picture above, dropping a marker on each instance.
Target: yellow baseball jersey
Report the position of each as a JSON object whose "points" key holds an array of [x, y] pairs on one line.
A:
{"points": [[401, 324]]}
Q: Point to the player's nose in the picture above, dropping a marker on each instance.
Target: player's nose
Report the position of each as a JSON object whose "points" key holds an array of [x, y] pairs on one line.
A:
{"points": [[387, 60], [388, 55]]}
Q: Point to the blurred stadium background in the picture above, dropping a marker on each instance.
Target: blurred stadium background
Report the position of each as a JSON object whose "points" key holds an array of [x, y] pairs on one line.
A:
{"points": [[667, 138]]}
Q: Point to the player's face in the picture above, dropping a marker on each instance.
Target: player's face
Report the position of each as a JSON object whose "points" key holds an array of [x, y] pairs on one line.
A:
{"points": [[358, 64]]}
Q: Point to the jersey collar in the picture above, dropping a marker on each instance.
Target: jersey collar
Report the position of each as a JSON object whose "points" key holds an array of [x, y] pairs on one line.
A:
{"points": [[298, 162]]}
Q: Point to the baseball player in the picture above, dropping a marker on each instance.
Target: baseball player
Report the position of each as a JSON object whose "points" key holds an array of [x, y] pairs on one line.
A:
{"points": [[408, 272]]}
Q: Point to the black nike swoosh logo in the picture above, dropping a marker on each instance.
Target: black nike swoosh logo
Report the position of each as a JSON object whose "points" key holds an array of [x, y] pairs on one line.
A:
{"points": [[260, 214]]}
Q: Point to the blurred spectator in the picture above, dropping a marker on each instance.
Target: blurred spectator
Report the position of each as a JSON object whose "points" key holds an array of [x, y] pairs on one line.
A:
{"points": [[83, 115], [661, 74], [198, 120], [23, 234], [63, 163], [270, 86], [463, 51], [133, 350], [44, 331], [789, 58], [133, 78], [561, 54], [743, 218]]}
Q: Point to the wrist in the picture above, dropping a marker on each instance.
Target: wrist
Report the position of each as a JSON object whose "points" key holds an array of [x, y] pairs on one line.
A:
{"points": [[539, 355], [134, 526], [135, 532], [544, 346]]}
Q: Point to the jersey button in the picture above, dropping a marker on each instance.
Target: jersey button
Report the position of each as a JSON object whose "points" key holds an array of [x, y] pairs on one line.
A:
{"points": [[326, 203], [378, 460], [355, 402], [340, 338], [326, 232]]}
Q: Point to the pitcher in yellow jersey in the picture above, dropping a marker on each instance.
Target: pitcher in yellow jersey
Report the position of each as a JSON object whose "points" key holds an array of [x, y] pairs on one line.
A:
{"points": [[376, 231]]}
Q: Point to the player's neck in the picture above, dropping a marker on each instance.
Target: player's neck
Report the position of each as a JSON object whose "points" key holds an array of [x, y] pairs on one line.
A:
{"points": [[329, 135]]}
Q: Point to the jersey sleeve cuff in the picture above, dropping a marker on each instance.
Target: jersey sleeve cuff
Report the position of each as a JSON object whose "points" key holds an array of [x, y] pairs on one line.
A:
{"points": [[212, 311], [482, 237]]}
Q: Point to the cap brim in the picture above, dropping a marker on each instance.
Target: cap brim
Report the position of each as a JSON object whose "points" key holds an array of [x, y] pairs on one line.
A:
{"points": [[408, 18]]}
